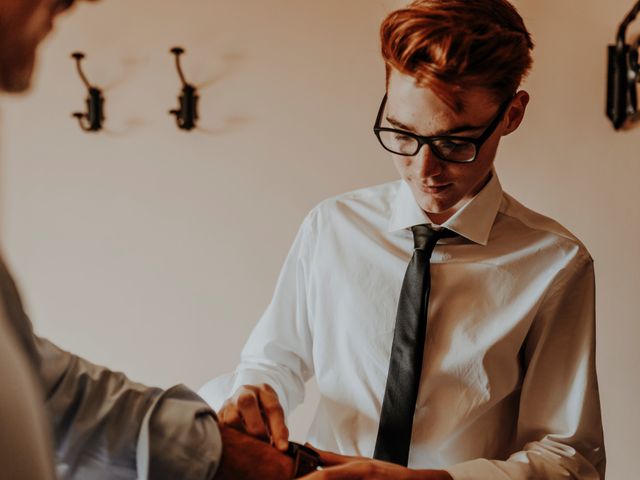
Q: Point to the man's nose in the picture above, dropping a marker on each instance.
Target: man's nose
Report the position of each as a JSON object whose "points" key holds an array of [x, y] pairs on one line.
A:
{"points": [[428, 164]]}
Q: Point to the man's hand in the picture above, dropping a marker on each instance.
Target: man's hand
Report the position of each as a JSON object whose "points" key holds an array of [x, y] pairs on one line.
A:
{"points": [[246, 457], [256, 410], [340, 467]]}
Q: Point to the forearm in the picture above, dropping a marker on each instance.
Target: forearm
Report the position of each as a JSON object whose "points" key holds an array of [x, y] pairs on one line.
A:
{"points": [[95, 413], [106, 426], [279, 349], [431, 475], [534, 462]]}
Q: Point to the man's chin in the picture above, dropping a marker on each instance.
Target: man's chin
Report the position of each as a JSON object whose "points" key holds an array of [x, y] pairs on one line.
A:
{"points": [[438, 211], [16, 83], [16, 70], [434, 204]]}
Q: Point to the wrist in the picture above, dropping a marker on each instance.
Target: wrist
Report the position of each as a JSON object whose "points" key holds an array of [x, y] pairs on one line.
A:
{"points": [[244, 456], [431, 475], [305, 460]]}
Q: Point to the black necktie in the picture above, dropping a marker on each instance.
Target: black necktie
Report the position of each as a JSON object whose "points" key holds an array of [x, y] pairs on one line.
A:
{"points": [[405, 367]]}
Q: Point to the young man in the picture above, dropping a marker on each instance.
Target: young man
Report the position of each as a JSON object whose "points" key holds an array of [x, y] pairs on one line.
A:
{"points": [[449, 328], [104, 426]]}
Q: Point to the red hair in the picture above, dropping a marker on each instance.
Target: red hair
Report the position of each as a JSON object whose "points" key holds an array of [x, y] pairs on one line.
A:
{"points": [[452, 45]]}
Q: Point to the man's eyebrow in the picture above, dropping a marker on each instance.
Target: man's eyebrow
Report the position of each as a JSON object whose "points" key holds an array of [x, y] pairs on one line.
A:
{"points": [[452, 131]]}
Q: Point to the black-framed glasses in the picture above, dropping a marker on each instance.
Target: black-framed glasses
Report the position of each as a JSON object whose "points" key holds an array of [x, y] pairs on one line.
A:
{"points": [[450, 148]]}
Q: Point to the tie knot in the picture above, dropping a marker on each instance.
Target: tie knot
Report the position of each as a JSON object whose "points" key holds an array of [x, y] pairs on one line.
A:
{"points": [[425, 237]]}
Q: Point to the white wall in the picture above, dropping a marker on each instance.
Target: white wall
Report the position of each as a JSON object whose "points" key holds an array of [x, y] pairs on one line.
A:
{"points": [[155, 251]]}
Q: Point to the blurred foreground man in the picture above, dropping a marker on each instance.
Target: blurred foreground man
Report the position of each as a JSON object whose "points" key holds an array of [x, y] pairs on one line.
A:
{"points": [[450, 329], [104, 426]]}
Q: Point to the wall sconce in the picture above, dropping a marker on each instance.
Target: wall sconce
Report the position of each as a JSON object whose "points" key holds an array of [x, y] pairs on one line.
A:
{"points": [[624, 76], [93, 119], [187, 112]]}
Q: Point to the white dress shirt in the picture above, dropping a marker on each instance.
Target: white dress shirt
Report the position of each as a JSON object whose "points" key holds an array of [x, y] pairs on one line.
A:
{"points": [[508, 387]]}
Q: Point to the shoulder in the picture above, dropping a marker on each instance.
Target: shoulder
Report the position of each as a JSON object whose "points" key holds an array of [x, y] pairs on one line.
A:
{"points": [[367, 203], [546, 230]]}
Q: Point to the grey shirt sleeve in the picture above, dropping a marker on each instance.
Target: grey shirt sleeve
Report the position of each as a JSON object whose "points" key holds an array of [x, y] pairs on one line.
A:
{"points": [[96, 414], [97, 417], [179, 438]]}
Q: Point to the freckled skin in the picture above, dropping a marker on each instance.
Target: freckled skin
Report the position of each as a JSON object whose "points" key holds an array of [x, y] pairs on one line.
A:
{"points": [[427, 114]]}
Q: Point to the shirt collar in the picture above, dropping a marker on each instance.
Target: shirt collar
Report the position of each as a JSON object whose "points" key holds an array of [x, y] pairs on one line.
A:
{"points": [[473, 221]]}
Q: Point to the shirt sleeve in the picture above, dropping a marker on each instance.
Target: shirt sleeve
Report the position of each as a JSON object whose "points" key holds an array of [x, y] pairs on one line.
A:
{"points": [[97, 416], [278, 351], [559, 429]]}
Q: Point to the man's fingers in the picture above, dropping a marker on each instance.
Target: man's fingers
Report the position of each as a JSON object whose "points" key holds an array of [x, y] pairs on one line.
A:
{"points": [[257, 411], [275, 417], [229, 415], [329, 459], [249, 408]]}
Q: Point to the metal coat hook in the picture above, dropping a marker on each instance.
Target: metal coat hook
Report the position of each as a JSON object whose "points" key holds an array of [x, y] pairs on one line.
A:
{"points": [[187, 112], [93, 119]]}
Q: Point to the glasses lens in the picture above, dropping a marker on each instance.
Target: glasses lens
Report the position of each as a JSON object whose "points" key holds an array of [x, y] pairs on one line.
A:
{"points": [[398, 143], [454, 150]]}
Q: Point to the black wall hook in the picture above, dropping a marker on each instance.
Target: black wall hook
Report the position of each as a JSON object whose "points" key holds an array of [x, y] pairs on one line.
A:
{"points": [[624, 76], [187, 113], [93, 119]]}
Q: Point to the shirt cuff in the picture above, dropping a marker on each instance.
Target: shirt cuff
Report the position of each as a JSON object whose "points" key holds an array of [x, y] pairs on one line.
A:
{"points": [[179, 438]]}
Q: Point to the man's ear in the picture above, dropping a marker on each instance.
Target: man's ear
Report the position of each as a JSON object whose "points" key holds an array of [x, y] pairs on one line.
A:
{"points": [[516, 111]]}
